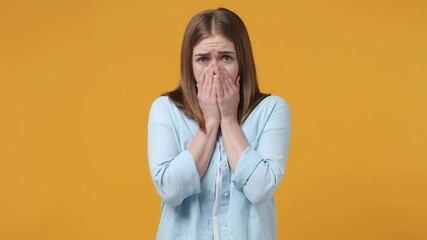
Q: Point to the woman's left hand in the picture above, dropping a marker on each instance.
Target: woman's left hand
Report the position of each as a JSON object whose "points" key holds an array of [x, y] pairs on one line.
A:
{"points": [[228, 93]]}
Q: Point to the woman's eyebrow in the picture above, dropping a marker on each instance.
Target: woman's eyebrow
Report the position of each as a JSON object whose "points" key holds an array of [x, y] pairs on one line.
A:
{"points": [[220, 52], [201, 54], [226, 52]]}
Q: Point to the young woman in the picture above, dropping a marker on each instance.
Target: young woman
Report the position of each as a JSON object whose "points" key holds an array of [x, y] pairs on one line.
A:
{"points": [[217, 146]]}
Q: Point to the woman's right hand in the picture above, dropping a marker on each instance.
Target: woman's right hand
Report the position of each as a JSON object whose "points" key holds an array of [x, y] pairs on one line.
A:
{"points": [[207, 97]]}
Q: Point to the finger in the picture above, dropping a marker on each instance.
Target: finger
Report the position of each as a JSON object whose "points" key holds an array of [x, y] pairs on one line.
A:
{"points": [[202, 74], [218, 86], [221, 79], [229, 83], [210, 82], [223, 86], [207, 78], [209, 73], [202, 77], [217, 89], [225, 73], [229, 86]]}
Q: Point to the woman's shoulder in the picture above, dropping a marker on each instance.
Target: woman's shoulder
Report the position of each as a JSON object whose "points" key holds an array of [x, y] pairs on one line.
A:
{"points": [[163, 102], [274, 102], [270, 105]]}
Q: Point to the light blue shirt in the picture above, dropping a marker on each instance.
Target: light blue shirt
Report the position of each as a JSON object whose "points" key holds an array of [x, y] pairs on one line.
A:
{"points": [[245, 208]]}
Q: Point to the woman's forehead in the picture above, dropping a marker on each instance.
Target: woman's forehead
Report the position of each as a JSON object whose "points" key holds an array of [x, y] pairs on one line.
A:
{"points": [[214, 42]]}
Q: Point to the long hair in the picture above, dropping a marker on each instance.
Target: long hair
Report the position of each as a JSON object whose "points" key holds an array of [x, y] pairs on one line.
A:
{"points": [[227, 24]]}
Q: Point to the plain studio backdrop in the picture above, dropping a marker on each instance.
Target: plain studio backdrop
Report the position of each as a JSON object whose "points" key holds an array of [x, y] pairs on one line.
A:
{"points": [[77, 79]]}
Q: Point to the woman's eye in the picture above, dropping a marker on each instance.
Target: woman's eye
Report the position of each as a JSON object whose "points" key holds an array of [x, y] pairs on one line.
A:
{"points": [[226, 58], [202, 59]]}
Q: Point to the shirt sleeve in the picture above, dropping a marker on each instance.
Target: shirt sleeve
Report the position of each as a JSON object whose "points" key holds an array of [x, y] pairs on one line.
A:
{"points": [[259, 172], [174, 172]]}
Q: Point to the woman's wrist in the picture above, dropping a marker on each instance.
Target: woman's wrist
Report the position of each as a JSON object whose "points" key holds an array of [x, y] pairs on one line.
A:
{"points": [[212, 124], [228, 121]]}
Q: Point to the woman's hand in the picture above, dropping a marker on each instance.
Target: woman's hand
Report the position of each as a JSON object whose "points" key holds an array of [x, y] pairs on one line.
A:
{"points": [[207, 97], [227, 93]]}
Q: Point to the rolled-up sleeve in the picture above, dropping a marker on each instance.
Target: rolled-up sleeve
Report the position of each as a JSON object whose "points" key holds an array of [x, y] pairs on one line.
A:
{"points": [[173, 171], [259, 171]]}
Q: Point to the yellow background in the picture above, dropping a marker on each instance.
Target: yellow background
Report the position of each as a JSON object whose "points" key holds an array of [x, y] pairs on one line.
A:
{"points": [[77, 79]]}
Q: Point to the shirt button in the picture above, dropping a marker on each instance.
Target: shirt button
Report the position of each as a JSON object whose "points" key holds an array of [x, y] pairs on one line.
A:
{"points": [[226, 194], [225, 164]]}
